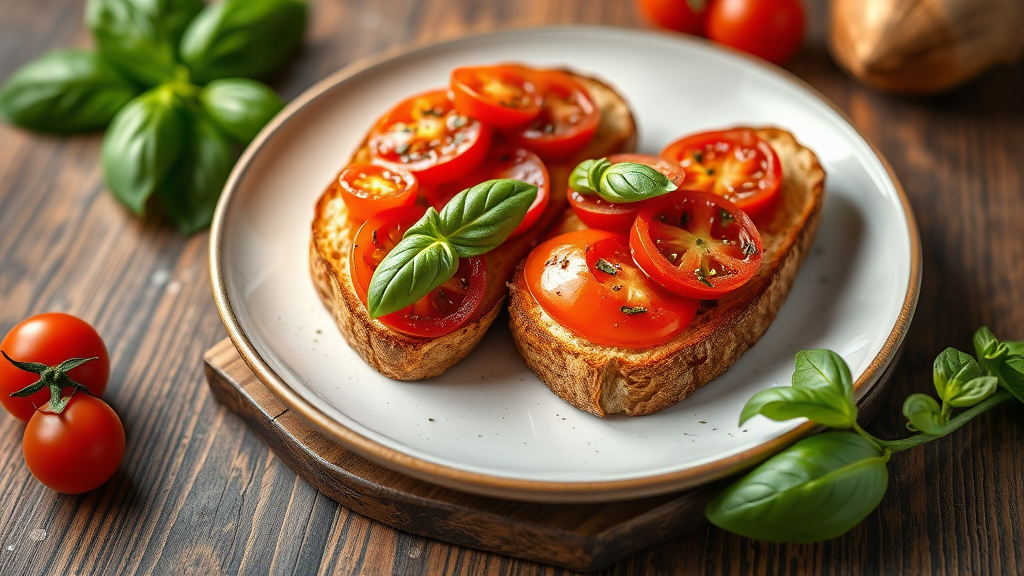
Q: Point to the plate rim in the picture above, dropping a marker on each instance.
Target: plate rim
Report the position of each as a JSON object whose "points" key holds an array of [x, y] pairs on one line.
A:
{"points": [[515, 488]]}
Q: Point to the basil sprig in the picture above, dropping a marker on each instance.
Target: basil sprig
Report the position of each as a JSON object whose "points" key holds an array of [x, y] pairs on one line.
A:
{"points": [[824, 485], [165, 50], [474, 222], [620, 182]]}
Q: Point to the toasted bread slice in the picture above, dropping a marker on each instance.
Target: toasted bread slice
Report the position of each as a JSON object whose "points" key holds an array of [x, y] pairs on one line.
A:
{"points": [[604, 380], [406, 357]]}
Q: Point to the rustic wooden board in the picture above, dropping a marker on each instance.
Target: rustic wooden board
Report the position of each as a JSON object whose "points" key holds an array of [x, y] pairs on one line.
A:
{"points": [[582, 537]]}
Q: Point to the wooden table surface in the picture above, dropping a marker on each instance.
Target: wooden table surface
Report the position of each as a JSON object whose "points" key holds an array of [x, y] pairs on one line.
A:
{"points": [[198, 493]]}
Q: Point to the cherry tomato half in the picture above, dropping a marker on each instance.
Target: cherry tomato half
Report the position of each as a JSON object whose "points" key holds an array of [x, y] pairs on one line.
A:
{"points": [[677, 15], [503, 161], [567, 121], [771, 29], [368, 189], [50, 339], [696, 244], [587, 281], [735, 164], [441, 312], [77, 450], [501, 95], [597, 212], [428, 137]]}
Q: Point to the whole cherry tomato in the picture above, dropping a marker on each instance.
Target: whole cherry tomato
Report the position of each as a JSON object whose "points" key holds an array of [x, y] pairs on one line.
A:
{"points": [[50, 339], [587, 281], [686, 16], [446, 308], [771, 29], [77, 450], [696, 244]]}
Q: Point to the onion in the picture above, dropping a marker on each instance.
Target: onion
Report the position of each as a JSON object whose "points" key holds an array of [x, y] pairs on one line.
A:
{"points": [[924, 46]]}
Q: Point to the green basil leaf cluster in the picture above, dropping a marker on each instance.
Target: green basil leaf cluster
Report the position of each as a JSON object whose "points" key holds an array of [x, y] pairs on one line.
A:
{"points": [[825, 485], [174, 81], [474, 222], [621, 182]]}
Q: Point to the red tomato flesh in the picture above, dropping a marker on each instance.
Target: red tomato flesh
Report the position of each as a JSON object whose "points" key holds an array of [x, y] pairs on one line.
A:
{"points": [[77, 450], [50, 339], [501, 95], [567, 121], [428, 137], [735, 164], [503, 161], [597, 212], [368, 189], [587, 281], [696, 244], [445, 309]]}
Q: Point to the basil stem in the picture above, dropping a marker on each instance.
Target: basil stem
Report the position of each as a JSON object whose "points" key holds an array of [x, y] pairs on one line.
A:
{"points": [[621, 182], [961, 419]]}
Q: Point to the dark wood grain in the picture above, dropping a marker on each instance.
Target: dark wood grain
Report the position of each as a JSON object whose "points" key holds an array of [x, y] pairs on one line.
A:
{"points": [[200, 493]]}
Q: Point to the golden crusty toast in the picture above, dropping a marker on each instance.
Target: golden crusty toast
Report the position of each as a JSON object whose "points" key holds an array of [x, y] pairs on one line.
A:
{"points": [[405, 357], [605, 380]]}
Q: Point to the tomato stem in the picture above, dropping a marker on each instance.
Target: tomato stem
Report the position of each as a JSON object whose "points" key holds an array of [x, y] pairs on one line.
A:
{"points": [[54, 378]]}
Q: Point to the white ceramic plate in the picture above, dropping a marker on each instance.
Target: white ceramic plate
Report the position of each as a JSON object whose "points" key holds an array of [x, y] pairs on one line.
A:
{"points": [[489, 425]]}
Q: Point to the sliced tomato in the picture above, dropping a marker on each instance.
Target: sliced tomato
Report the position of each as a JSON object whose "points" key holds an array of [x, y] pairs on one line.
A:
{"points": [[735, 164], [567, 121], [368, 189], [447, 308], [503, 161], [502, 95], [696, 244], [597, 212], [588, 282], [428, 137]]}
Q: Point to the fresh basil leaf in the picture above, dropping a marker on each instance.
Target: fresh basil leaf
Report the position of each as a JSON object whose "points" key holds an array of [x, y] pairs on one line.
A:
{"points": [[143, 142], [248, 38], [174, 16], [130, 34], [823, 369], [985, 343], [1014, 348], [823, 406], [632, 182], [972, 392], [65, 91], [240, 106], [1011, 376], [479, 219], [585, 178], [429, 225], [189, 193], [953, 369], [818, 489], [413, 268], [924, 414]]}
